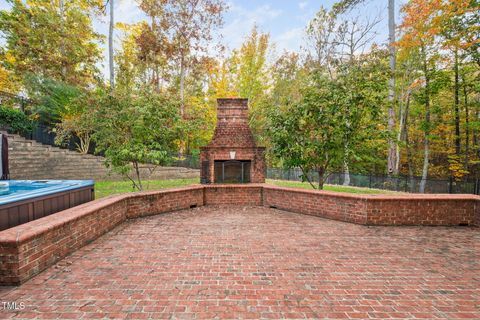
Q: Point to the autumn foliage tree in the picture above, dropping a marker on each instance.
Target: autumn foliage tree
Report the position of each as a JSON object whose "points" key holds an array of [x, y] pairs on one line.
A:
{"points": [[52, 39]]}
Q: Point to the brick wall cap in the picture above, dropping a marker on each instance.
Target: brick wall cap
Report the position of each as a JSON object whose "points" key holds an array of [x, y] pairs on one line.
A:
{"points": [[140, 194], [229, 148], [383, 197], [318, 192], [234, 185], [232, 100]]}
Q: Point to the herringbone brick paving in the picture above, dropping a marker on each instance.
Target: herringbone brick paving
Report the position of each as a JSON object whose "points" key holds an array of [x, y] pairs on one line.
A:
{"points": [[254, 262]]}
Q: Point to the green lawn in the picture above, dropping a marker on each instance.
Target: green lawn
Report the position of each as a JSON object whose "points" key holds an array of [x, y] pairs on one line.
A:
{"points": [[306, 185], [106, 188]]}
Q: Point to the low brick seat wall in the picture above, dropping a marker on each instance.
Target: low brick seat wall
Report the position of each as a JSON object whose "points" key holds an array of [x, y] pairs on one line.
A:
{"points": [[28, 249], [378, 209]]}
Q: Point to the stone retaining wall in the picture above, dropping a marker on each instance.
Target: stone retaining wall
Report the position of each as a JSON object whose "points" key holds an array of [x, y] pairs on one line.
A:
{"points": [[28, 249]]}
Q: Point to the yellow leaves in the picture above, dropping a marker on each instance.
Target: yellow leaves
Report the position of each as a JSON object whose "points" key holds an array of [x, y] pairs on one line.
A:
{"points": [[426, 20], [221, 80], [9, 58], [3, 79], [456, 167], [8, 81]]}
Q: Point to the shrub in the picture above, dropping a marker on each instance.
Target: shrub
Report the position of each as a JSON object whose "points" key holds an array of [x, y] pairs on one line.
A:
{"points": [[15, 121]]}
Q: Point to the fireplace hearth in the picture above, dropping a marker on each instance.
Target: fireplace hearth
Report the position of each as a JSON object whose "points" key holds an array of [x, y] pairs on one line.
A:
{"points": [[232, 156]]}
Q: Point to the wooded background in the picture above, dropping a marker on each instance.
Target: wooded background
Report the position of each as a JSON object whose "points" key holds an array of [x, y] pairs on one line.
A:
{"points": [[345, 103]]}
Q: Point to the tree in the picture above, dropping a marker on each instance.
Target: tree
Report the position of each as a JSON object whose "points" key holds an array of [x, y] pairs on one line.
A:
{"points": [[130, 69], [250, 67], [344, 6], [9, 82], [51, 99], [131, 130], [323, 40], [110, 45], [189, 25], [78, 120], [251, 77], [439, 34], [311, 134], [52, 39], [338, 41], [308, 135], [392, 167]]}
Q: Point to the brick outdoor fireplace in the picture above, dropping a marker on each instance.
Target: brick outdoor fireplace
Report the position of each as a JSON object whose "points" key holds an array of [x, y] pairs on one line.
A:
{"points": [[232, 156]]}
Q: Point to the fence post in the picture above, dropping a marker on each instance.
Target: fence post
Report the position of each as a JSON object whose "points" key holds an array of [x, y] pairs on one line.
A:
{"points": [[370, 180], [450, 185]]}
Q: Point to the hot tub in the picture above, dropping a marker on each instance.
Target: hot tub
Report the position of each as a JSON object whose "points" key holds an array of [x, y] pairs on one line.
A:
{"points": [[22, 201]]}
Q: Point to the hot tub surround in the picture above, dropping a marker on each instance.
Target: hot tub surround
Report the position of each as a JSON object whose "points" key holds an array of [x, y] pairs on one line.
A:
{"points": [[232, 156], [28, 249], [22, 201]]}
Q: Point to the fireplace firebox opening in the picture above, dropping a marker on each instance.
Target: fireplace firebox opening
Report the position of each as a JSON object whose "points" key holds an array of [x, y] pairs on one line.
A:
{"points": [[232, 171]]}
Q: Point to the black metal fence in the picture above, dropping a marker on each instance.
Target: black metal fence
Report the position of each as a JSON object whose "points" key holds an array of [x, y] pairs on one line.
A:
{"points": [[185, 161], [47, 135], [399, 183]]}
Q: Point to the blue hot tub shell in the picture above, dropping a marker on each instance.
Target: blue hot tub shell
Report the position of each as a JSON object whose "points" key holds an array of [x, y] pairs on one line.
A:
{"points": [[22, 201]]}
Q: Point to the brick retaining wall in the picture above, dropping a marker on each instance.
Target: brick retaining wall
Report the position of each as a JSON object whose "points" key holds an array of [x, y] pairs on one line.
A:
{"points": [[378, 209], [246, 194], [28, 249], [331, 205], [142, 204]]}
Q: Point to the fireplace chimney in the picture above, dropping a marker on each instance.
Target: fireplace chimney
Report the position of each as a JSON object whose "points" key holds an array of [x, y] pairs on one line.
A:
{"points": [[232, 156]]}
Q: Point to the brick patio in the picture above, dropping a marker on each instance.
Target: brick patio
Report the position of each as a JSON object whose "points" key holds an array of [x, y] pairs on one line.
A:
{"points": [[255, 262]]}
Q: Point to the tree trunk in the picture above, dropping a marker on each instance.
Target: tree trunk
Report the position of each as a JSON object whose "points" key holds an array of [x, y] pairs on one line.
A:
{"points": [[400, 134], [157, 78], [182, 85], [467, 124], [407, 147], [426, 142], [321, 178], [62, 41], [138, 177], [346, 174], [346, 170], [456, 106], [110, 47], [391, 161]]}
